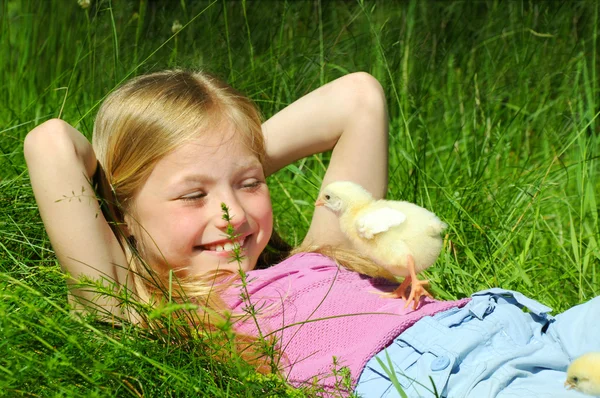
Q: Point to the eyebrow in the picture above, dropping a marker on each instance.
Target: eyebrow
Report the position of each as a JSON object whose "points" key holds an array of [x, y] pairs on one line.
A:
{"points": [[196, 177]]}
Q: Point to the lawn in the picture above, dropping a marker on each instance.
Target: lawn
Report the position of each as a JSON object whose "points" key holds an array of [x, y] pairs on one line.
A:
{"points": [[493, 125]]}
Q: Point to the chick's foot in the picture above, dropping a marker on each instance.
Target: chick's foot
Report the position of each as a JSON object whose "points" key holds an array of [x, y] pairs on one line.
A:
{"points": [[416, 286], [416, 292], [416, 289], [400, 291]]}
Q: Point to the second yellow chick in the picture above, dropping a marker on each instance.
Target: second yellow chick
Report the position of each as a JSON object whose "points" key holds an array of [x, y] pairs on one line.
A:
{"points": [[400, 236], [584, 374]]}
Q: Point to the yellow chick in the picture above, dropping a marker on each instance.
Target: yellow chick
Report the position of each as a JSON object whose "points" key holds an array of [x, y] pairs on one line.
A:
{"points": [[584, 374], [400, 236]]}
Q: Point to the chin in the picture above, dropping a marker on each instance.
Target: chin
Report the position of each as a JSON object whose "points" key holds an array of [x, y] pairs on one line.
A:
{"points": [[246, 264]]}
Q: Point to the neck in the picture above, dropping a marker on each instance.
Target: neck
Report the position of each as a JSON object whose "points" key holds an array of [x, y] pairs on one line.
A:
{"points": [[352, 206]]}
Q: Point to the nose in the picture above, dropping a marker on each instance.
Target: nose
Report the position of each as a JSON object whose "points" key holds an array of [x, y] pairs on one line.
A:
{"points": [[230, 207]]}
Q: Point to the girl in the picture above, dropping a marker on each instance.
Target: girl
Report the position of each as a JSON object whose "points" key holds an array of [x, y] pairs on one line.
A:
{"points": [[170, 147]]}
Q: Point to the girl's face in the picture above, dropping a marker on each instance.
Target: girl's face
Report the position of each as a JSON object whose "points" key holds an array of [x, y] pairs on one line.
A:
{"points": [[179, 211]]}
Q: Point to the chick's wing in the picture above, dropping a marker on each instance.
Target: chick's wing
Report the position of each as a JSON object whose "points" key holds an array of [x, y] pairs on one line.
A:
{"points": [[375, 221]]}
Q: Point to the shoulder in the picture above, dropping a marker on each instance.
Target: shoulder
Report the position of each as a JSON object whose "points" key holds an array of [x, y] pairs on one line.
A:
{"points": [[296, 262]]}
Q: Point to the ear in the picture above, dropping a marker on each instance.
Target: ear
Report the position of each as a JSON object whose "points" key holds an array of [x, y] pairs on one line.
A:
{"points": [[126, 226]]}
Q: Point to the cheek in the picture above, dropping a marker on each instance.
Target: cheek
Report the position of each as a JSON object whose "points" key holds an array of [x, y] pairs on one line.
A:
{"points": [[263, 211], [264, 217], [182, 225], [170, 230]]}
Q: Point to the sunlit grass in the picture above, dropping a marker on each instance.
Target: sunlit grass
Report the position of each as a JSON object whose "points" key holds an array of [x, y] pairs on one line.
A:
{"points": [[493, 125]]}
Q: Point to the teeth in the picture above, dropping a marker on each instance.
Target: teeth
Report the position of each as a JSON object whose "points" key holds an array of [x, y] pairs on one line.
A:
{"points": [[227, 247]]}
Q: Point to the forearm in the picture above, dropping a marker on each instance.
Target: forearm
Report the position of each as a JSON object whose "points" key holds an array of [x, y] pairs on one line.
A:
{"points": [[310, 125]]}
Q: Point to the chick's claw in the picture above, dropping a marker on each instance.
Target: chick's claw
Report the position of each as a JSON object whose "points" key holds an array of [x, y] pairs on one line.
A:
{"points": [[399, 292], [416, 292]]}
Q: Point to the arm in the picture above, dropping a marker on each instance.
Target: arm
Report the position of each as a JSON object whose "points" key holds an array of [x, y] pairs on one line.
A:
{"points": [[347, 115], [61, 161]]}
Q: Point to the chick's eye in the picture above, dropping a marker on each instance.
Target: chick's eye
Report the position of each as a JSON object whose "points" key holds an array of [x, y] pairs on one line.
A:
{"points": [[327, 197], [575, 379]]}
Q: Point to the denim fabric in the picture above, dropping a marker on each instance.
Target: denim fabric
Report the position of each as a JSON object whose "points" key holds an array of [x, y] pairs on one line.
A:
{"points": [[501, 344]]}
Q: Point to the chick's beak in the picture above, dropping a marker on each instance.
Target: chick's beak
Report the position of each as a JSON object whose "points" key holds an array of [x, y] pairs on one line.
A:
{"points": [[569, 385], [320, 202]]}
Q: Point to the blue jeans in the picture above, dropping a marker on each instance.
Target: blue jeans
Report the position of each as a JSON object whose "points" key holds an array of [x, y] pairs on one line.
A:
{"points": [[501, 344]]}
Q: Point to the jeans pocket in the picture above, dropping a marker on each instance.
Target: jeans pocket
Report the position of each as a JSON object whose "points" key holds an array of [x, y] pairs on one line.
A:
{"points": [[418, 373], [429, 375]]}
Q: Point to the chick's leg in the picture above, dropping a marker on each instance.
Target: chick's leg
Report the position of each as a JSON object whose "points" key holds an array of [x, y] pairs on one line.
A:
{"points": [[401, 290], [416, 288]]}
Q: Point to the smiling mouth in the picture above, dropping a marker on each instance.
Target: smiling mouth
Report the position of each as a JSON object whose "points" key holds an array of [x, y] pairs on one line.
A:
{"points": [[226, 246]]}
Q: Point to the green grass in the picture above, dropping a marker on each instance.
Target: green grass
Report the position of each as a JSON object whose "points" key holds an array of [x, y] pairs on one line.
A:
{"points": [[493, 125]]}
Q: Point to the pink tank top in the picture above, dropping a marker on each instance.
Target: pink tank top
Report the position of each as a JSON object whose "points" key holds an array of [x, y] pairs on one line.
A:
{"points": [[318, 310]]}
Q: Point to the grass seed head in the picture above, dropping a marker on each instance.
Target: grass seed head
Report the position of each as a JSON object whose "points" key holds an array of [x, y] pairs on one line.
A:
{"points": [[176, 27]]}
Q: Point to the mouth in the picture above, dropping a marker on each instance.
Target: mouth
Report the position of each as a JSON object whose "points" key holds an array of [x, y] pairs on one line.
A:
{"points": [[224, 247], [568, 385]]}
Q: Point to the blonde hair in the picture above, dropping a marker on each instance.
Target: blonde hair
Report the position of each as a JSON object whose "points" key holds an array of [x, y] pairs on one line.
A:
{"points": [[347, 258], [138, 124]]}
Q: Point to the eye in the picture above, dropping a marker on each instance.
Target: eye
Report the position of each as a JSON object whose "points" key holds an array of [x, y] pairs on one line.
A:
{"points": [[193, 197], [575, 379], [251, 184], [327, 197]]}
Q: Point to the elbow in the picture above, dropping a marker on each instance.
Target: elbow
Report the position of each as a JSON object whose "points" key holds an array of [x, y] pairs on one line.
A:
{"points": [[366, 94], [366, 104], [55, 145], [50, 137]]}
